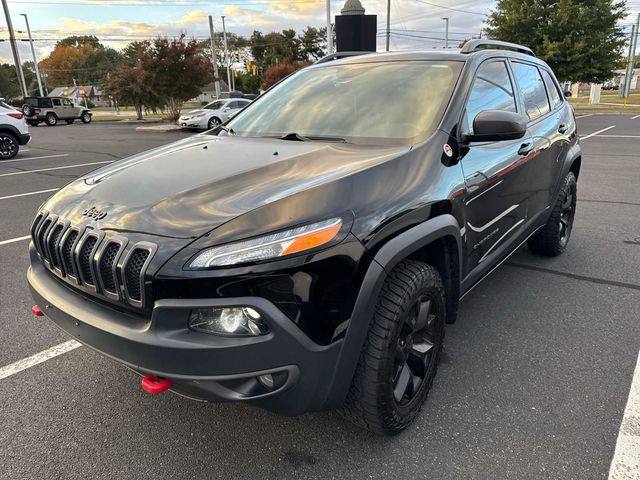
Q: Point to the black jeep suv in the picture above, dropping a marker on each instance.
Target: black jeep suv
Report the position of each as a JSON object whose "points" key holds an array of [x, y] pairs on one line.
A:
{"points": [[308, 254]]}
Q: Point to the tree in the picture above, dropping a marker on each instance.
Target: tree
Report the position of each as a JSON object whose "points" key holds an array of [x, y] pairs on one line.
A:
{"points": [[580, 40], [131, 83], [278, 71], [313, 42], [80, 58], [8, 82], [178, 72]]}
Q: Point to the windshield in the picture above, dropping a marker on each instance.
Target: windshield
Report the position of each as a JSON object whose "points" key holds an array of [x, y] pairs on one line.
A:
{"points": [[215, 105], [368, 103]]}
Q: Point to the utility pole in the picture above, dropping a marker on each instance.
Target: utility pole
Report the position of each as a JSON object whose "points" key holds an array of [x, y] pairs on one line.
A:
{"points": [[446, 32], [14, 50], [226, 55], [388, 23], [635, 31], [33, 53], [214, 60], [329, 32]]}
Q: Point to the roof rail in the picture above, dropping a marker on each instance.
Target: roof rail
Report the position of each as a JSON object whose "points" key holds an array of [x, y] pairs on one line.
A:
{"points": [[482, 44], [338, 55]]}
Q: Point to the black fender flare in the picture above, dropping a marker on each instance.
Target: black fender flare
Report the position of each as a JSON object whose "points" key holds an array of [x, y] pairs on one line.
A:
{"points": [[391, 253], [572, 154]]}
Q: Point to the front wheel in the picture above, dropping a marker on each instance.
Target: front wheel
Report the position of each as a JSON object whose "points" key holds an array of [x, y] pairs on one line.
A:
{"points": [[400, 356], [85, 117], [8, 146], [553, 238], [214, 122]]}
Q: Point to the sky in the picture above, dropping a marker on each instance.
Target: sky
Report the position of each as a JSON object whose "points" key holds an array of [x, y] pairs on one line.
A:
{"points": [[415, 24]]}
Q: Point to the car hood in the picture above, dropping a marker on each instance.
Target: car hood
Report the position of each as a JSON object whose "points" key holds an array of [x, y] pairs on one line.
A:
{"points": [[194, 112], [188, 188]]}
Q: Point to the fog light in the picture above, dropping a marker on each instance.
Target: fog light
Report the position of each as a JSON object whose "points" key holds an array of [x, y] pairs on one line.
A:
{"points": [[228, 321], [266, 380]]}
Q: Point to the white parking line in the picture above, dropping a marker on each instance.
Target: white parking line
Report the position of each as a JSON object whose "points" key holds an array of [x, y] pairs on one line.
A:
{"points": [[29, 193], [626, 458], [583, 116], [13, 240], [34, 158], [38, 358], [53, 168], [618, 136], [596, 133], [637, 116]]}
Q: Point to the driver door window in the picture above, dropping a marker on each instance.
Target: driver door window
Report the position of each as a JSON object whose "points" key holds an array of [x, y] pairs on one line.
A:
{"points": [[67, 103], [492, 90], [56, 102]]}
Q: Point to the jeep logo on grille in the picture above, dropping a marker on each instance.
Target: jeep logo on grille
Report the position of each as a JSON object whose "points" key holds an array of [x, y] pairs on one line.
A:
{"points": [[94, 213]]}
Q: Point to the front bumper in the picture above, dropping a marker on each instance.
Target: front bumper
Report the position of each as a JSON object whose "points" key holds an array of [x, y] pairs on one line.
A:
{"points": [[200, 123], [201, 366]]}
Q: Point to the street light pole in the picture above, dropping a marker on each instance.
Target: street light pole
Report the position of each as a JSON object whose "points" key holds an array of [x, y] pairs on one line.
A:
{"points": [[388, 23], [226, 56], [329, 33], [14, 50], [446, 32], [214, 60], [33, 53]]}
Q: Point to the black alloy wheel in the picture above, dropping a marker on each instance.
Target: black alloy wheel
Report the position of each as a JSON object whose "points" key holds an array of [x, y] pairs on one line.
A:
{"points": [[415, 351], [8, 146]]}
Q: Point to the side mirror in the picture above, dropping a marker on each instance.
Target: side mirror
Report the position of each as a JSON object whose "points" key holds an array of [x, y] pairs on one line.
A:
{"points": [[567, 93], [497, 125]]}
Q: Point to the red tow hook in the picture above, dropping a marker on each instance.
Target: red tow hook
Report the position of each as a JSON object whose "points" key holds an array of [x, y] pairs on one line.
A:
{"points": [[36, 311], [155, 385]]}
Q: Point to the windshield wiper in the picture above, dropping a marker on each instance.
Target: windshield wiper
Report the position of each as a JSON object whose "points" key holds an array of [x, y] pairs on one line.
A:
{"points": [[296, 137]]}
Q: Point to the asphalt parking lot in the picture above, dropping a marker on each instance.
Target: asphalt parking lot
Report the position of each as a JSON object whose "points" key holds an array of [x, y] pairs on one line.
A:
{"points": [[534, 382]]}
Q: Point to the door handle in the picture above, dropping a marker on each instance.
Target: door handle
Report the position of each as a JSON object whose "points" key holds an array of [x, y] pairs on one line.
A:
{"points": [[563, 128], [525, 149]]}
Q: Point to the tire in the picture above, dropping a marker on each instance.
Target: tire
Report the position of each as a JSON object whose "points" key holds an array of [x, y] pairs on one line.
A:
{"points": [[85, 117], [8, 146], [51, 119], [69, 122], [214, 122], [400, 356], [553, 238], [28, 110], [33, 123]]}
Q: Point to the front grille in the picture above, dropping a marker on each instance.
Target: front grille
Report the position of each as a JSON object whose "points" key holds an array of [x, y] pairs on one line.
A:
{"points": [[106, 267], [133, 270], [85, 258]]}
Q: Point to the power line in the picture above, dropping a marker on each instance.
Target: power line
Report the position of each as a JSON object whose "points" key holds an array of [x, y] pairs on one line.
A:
{"points": [[451, 8]]}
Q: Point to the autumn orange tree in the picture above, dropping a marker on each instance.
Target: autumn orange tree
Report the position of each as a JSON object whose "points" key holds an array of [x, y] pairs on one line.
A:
{"points": [[80, 58], [278, 71]]}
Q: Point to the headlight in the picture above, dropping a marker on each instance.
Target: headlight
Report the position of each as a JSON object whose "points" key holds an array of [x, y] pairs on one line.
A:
{"points": [[274, 245]]}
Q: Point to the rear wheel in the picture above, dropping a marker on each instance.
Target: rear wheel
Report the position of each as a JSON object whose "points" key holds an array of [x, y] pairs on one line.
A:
{"points": [[8, 146], [51, 119], [400, 356], [553, 238], [85, 117]]}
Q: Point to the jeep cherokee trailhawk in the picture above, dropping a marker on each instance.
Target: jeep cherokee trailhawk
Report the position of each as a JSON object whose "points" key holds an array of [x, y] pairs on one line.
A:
{"points": [[308, 254]]}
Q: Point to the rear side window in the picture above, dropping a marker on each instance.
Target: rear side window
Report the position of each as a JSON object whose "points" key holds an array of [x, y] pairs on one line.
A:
{"points": [[56, 102], [46, 103], [533, 91], [492, 90], [552, 90]]}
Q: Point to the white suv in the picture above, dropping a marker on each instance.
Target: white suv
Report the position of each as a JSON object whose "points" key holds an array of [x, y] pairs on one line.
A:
{"points": [[213, 114], [13, 131]]}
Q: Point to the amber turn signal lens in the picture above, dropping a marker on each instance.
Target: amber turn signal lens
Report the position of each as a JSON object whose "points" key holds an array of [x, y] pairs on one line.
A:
{"points": [[312, 240]]}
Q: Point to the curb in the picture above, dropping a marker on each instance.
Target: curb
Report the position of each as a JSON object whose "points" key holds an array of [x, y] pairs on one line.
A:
{"points": [[160, 128]]}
